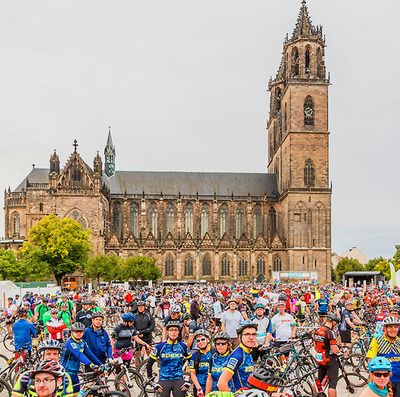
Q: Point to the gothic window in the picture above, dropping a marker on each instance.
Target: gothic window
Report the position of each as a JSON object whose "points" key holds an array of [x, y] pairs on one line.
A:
{"points": [[295, 62], [16, 224], [257, 222], [225, 266], [271, 223], [153, 220], [205, 220], [169, 265], [260, 264], [170, 219], [134, 220], [309, 115], [223, 220], [239, 221], [278, 98], [309, 173], [277, 264], [117, 220], [41, 207], [77, 216], [242, 266], [188, 266], [189, 219], [308, 60], [206, 265], [320, 64], [285, 126]]}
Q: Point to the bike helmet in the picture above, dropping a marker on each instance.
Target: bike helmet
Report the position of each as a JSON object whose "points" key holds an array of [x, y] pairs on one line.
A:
{"points": [[22, 311], [333, 317], [77, 327], [50, 344], [391, 320], [51, 367], [222, 335], [385, 303], [379, 364], [202, 332], [252, 393], [245, 324], [175, 309], [258, 306], [54, 311], [395, 308], [128, 317], [186, 316], [86, 302], [141, 303], [265, 379], [282, 297], [97, 314], [281, 303], [171, 324]]}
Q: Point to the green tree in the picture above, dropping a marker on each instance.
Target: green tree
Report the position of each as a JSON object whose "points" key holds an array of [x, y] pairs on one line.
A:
{"points": [[139, 267], [60, 245], [383, 267], [10, 267], [103, 267], [370, 266], [333, 274], [348, 265]]}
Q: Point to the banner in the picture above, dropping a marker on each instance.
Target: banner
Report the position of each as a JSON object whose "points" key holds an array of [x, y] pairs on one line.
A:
{"points": [[392, 275]]}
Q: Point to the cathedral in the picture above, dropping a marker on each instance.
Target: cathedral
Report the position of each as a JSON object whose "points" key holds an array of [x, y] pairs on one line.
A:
{"points": [[223, 227]]}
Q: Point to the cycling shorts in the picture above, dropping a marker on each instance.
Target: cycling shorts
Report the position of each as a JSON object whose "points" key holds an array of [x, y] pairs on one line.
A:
{"points": [[345, 336], [332, 371]]}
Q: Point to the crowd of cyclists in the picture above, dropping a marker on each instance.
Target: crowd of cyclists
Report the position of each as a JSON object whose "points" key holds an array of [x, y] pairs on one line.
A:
{"points": [[218, 340]]}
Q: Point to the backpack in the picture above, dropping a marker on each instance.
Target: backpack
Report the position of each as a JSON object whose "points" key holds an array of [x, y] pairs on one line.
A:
{"points": [[198, 356]]}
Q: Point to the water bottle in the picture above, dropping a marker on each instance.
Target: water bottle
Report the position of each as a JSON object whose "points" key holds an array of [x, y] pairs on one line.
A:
{"points": [[81, 393]]}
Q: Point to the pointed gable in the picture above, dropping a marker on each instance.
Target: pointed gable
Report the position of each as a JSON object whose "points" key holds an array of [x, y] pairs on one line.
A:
{"points": [[243, 242], [225, 242], [260, 243], [150, 241], [169, 242], [131, 242], [277, 243], [188, 243], [113, 241], [207, 242]]}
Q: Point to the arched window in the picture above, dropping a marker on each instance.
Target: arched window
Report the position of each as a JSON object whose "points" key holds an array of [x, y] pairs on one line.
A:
{"points": [[295, 61], [308, 60], [242, 266], [320, 64], [277, 264], [285, 126], [223, 220], [309, 115], [239, 221], [41, 207], [309, 173], [169, 219], [189, 219], [117, 220], [205, 220], [278, 98], [225, 266], [257, 222], [169, 266], [134, 219], [153, 220], [16, 224], [77, 216], [271, 223], [188, 266], [206, 265], [260, 264]]}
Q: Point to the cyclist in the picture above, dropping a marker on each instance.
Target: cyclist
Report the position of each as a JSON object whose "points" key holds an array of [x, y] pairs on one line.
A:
{"points": [[172, 355], [174, 313], [84, 316], [301, 309], [327, 350], [379, 369], [322, 305], [264, 330], [10, 314], [200, 362], [218, 361], [189, 327], [65, 314], [144, 323], [230, 320], [240, 364], [283, 324], [23, 330], [55, 326], [41, 309], [76, 351], [388, 346], [384, 312], [163, 307], [348, 321], [70, 306], [98, 339]]}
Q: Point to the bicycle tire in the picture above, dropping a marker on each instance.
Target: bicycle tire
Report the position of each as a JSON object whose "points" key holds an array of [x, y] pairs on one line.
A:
{"points": [[5, 388], [355, 383], [109, 393], [8, 342], [142, 369], [135, 376], [357, 348]]}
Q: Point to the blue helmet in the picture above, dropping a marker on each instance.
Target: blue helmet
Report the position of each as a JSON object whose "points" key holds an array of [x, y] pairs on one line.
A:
{"points": [[379, 364], [258, 305], [128, 317]]}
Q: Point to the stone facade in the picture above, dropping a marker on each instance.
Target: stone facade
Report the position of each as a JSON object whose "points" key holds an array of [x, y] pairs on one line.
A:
{"points": [[210, 226]]}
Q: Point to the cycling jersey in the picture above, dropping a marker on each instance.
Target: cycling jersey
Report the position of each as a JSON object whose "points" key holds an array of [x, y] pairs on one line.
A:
{"points": [[41, 309], [215, 368], [99, 343], [23, 333], [123, 333], [77, 351], [323, 306], [264, 326], [240, 365], [24, 386], [172, 356], [70, 305], [203, 366], [324, 339], [84, 317], [346, 314], [379, 323]]}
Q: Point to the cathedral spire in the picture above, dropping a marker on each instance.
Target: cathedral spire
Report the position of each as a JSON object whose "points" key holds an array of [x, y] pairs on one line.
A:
{"points": [[109, 154], [304, 26]]}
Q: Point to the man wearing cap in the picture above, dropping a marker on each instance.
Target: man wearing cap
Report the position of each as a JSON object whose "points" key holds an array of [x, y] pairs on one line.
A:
{"points": [[98, 339], [348, 322], [55, 326], [144, 323], [84, 316], [230, 320], [283, 324]]}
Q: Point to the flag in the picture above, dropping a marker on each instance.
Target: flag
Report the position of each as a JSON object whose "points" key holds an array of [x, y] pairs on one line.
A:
{"points": [[317, 294], [392, 275]]}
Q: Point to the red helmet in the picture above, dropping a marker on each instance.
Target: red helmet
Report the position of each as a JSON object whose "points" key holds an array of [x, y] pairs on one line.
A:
{"points": [[48, 366]]}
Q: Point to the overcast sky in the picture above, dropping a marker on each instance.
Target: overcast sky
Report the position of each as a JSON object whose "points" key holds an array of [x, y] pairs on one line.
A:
{"points": [[183, 85]]}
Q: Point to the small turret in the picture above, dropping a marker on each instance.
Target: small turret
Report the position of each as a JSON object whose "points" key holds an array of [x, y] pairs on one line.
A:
{"points": [[109, 156], [98, 165], [54, 163]]}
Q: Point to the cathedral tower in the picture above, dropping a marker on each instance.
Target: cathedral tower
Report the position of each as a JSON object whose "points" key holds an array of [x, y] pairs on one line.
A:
{"points": [[298, 140], [109, 155]]}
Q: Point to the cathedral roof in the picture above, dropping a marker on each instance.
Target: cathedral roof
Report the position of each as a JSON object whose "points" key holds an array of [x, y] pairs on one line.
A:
{"points": [[304, 26], [192, 183], [37, 175]]}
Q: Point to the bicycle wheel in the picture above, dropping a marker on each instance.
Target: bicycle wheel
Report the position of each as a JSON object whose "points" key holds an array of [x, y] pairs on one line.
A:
{"points": [[8, 342], [142, 369], [358, 362], [119, 386], [5, 388], [3, 364], [357, 348], [111, 393], [135, 379], [353, 384]]}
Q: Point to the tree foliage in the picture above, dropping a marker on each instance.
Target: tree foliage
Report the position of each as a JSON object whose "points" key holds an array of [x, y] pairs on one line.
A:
{"points": [[348, 265], [102, 267], [139, 267], [58, 246], [10, 267]]}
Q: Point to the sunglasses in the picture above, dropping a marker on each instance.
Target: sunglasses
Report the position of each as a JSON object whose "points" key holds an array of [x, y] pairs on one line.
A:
{"points": [[381, 374], [201, 340], [221, 343]]}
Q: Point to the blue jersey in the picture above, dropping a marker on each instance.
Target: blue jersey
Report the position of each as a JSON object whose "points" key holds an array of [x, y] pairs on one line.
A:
{"points": [[323, 305], [204, 365], [76, 352], [217, 364], [240, 365], [172, 356], [24, 331]]}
